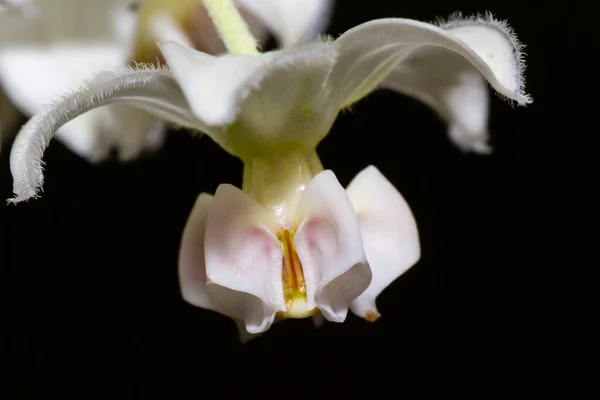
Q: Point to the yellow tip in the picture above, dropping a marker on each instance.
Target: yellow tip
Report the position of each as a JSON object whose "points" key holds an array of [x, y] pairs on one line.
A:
{"points": [[372, 316], [298, 308]]}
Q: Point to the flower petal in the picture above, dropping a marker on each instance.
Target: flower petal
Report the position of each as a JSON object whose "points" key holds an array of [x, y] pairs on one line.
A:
{"points": [[131, 131], [389, 234], [243, 259], [369, 52], [36, 74], [154, 90], [276, 99], [65, 67], [243, 334], [292, 21], [212, 85], [330, 248], [85, 137], [457, 92], [192, 265]]}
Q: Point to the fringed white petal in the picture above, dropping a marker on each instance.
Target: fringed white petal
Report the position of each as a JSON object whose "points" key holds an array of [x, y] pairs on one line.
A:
{"points": [[440, 66], [329, 246], [292, 21], [458, 91], [496, 42], [65, 67], [85, 136], [154, 90], [243, 259], [389, 234], [369, 52]]}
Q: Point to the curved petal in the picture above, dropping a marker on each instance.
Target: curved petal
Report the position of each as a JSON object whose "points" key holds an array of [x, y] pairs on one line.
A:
{"points": [[154, 90], [131, 131], [369, 52], [389, 234], [243, 334], [65, 67], [276, 99], [243, 259], [85, 137], [192, 266], [457, 92], [330, 248], [292, 21]]}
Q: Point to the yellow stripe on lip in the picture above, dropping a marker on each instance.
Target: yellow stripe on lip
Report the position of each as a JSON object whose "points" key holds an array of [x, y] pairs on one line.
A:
{"points": [[294, 286]]}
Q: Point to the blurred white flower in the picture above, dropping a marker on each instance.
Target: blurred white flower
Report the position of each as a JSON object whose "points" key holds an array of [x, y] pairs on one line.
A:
{"points": [[63, 42]]}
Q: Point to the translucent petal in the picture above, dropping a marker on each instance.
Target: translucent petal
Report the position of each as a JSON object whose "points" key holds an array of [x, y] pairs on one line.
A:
{"points": [[192, 265], [243, 259], [389, 234], [329, 246]]}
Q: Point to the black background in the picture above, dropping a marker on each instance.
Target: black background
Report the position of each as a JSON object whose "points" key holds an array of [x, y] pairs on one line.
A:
{"points": [[90, 297]]}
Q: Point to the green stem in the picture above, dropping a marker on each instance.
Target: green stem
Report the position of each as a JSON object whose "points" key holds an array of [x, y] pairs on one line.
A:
{"points": [[278, 182], [231, 27]]}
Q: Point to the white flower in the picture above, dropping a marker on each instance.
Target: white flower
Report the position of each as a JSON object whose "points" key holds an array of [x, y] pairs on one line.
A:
{"points": [[67, 41], [293, 242]]}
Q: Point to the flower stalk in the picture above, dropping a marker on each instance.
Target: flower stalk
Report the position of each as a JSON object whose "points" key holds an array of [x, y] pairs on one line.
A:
{"points": [[231, 27]]}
